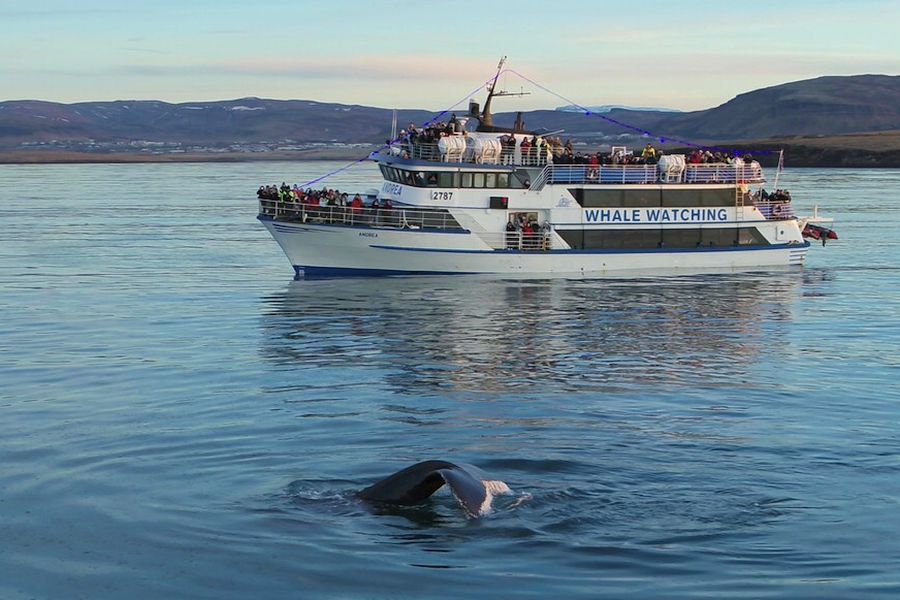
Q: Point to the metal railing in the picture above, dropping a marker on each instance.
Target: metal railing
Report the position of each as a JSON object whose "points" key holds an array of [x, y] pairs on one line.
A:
{"points": [[722, 173], [397, 218], [601, 174], [637, 174], [530, 157], [537, 241], [776, 211]]}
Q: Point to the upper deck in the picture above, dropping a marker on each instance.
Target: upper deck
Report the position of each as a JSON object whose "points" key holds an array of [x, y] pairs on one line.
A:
{"points": [[462, 160]]}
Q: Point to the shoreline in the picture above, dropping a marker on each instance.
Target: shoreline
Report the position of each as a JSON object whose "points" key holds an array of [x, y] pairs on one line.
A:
{"points": [[873, 150]]}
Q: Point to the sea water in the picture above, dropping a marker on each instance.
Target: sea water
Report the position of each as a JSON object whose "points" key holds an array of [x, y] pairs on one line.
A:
{"points": [[179, 418]]}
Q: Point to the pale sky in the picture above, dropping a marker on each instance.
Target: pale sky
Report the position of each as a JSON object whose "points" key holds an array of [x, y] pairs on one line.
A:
{"points": [[393, 53]]}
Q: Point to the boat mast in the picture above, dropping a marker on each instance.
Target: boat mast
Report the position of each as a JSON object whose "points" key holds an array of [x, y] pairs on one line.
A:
{"points": [[486, 118]]}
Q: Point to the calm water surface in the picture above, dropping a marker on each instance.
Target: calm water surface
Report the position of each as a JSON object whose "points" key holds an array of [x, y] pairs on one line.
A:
{"points": [[178, 418]]}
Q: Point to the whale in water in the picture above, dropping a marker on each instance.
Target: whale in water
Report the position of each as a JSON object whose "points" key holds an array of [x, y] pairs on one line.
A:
{"points": [[412, 485]]}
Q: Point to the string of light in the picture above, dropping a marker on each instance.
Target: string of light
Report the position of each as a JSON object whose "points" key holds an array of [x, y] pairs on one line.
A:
{"points": [[644, 132], [586, 111], [396, 140]]}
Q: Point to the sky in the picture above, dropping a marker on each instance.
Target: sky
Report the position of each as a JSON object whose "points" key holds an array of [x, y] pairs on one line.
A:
{"points": [[684, 54]]}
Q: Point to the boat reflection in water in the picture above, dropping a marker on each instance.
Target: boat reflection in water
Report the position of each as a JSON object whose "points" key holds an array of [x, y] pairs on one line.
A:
{"points": [[467, 334]]}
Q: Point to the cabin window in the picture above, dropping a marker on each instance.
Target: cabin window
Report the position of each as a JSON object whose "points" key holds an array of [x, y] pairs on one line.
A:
{"points": [[619, 239], [573, 237], [502, 180], [681, 238], [490, 180], [636, 198], [750, 236], [718, 236], [465, 180], [644, 239], [446, 179], [478, 180], [679, 198]]}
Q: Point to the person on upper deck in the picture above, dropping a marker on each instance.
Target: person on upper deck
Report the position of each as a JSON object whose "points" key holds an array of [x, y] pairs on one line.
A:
{"points": [[649, 152]]}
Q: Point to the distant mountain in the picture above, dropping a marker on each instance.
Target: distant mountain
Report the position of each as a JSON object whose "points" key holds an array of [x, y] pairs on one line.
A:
{"points": [[247, 121], [605, 108], [822, 106]]}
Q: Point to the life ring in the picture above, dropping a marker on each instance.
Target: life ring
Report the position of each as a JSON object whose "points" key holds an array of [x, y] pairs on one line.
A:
{"points": [[776, 210]]}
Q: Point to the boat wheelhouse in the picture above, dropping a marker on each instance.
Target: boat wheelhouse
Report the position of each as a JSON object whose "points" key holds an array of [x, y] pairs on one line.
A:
{"points": [[460, 199]]}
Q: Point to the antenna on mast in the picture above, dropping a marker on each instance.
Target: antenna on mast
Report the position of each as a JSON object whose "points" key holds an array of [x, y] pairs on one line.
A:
{"points": [[485, 118]]}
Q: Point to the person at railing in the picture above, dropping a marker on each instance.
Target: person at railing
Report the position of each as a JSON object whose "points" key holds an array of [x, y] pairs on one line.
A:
{"points": [[356, 206], [524, 147], [527, 236], [389, 215], [512, 236], [593, 166], [507, 149], [649, 154], [562, 158], [375, 212], [545, 235]]}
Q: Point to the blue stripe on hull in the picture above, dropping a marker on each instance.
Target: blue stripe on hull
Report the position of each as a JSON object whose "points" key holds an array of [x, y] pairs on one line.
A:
{"points": [[328, 272], [701, 249]]}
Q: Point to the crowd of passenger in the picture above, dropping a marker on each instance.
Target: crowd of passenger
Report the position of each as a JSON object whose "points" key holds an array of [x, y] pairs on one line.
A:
{"points": [[308, 197], [431, 133], [778, 195], [524, 233], [537, 150], [327, 205], [649, 155]]}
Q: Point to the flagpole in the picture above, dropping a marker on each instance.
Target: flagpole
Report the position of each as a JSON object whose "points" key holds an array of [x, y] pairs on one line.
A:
{"points": [[780, 167]]}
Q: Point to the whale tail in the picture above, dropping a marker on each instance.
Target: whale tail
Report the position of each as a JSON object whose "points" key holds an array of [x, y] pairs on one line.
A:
{"points": [[416, 483]]}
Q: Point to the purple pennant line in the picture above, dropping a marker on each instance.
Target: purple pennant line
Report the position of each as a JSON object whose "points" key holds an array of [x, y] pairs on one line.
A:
{"points": [[395, 140], [662, 139]]}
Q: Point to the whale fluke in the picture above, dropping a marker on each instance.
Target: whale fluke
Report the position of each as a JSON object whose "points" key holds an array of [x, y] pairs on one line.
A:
{"points": [[414, 484]]}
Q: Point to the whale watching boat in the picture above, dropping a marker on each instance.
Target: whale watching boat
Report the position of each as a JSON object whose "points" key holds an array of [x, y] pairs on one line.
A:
{"points": [[468, 197]]}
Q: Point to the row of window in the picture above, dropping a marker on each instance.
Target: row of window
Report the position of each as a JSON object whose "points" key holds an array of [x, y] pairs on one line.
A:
{"points": [[455, 179], [633, 198], [641, 239], [641, 198]]}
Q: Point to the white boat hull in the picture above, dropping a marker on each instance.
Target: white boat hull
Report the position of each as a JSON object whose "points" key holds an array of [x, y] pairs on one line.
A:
{"points": [[328, 250]]}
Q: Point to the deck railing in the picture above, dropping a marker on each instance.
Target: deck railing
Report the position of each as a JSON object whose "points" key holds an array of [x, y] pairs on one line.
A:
{"points": [[397, 218], [723, 173], [775, 211], [638, 174], [602, 174], [529, 157], [536, 241]]}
